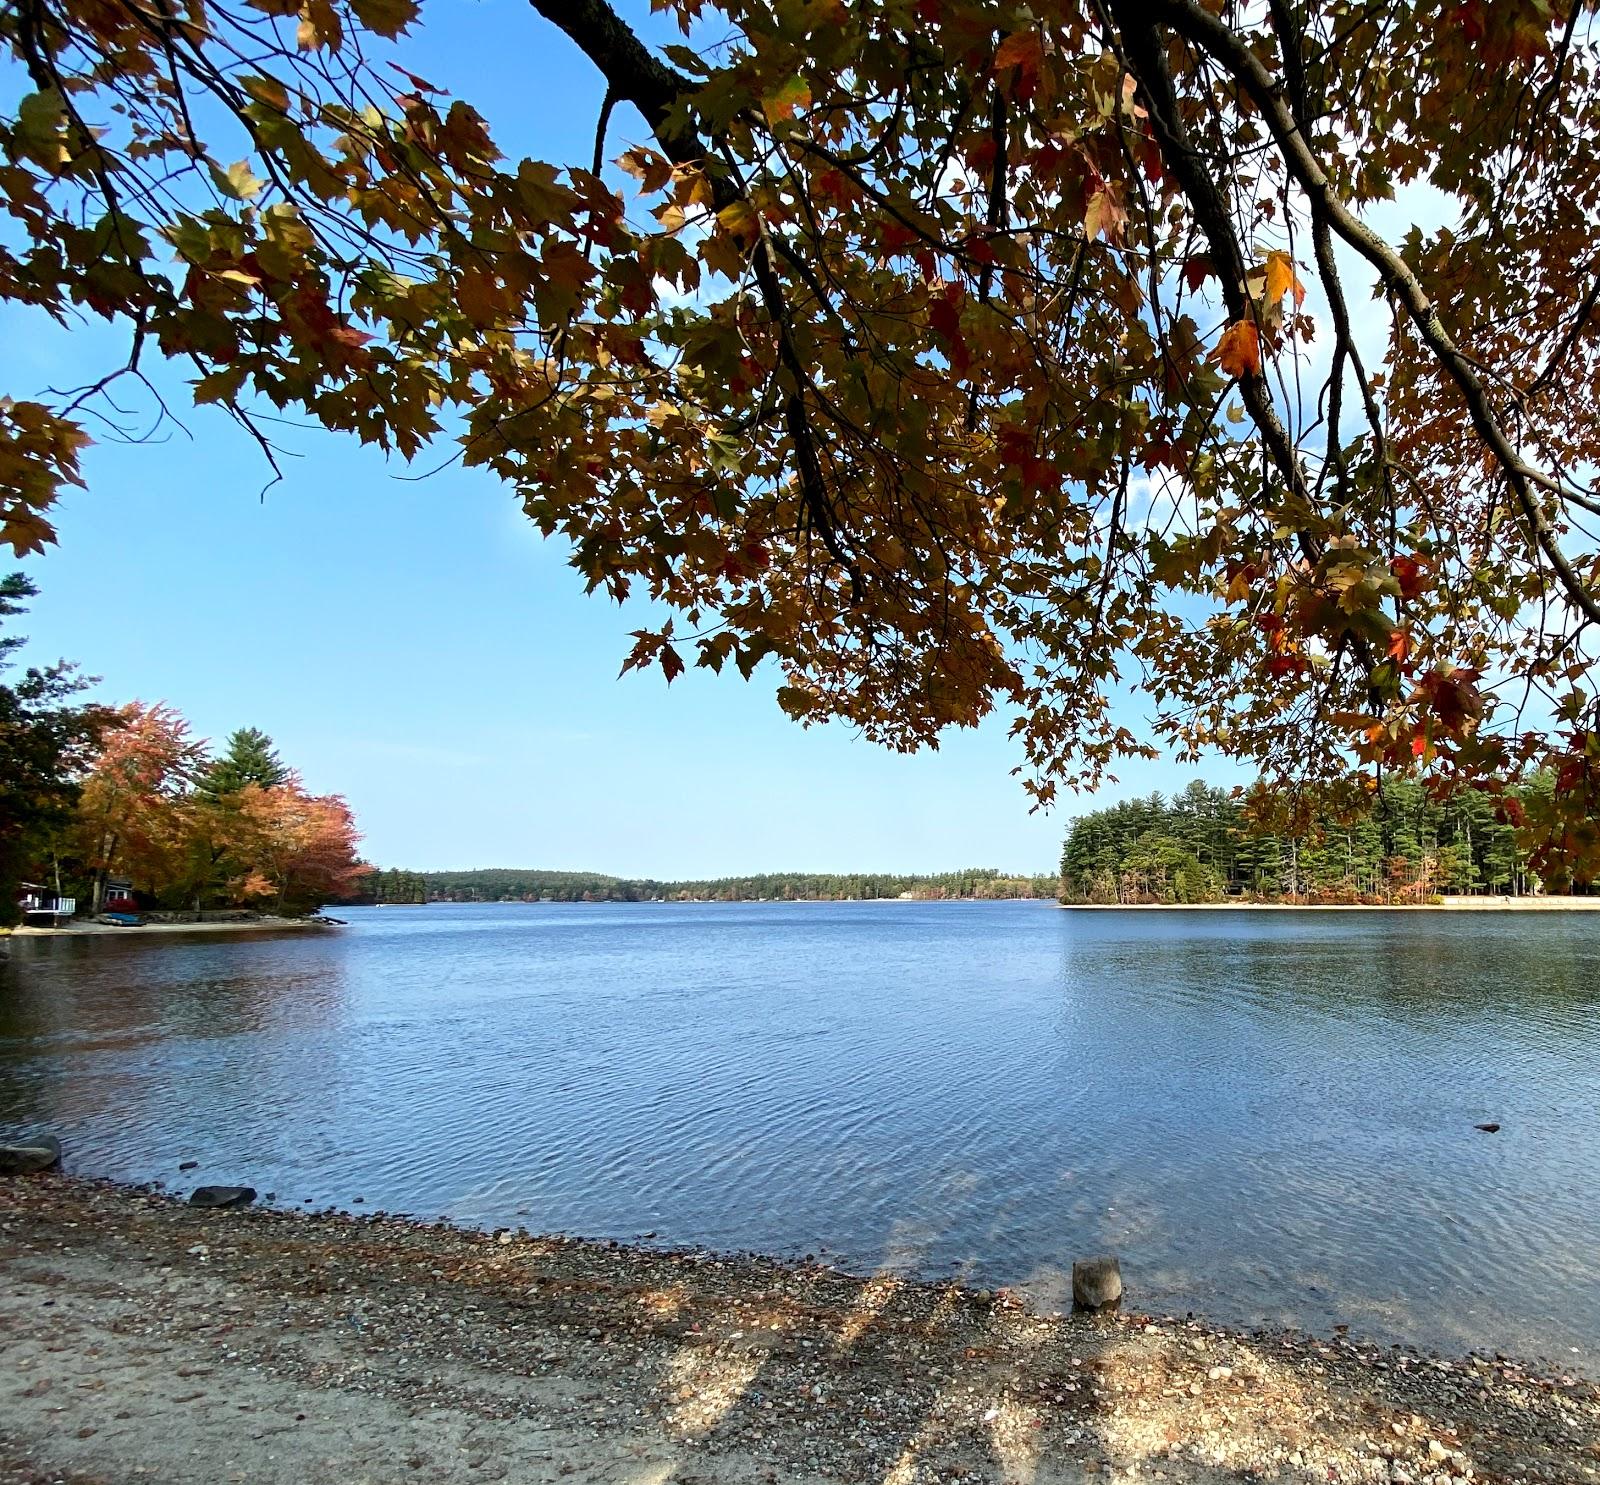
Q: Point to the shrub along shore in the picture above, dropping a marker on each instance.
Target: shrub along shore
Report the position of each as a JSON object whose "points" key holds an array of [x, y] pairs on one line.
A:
{"points": [[147, 1339]]}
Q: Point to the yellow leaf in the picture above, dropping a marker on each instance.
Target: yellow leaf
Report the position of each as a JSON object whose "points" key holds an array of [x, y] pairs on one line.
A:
{"points": [[738, 218], [237, 181]]}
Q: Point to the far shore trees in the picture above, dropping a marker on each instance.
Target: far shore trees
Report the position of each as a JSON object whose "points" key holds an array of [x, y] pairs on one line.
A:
{"points": [[944, 355], [1402, 846]]}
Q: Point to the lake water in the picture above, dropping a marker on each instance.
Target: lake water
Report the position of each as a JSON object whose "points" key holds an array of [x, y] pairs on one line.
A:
{"points": [[1268, 1116]]}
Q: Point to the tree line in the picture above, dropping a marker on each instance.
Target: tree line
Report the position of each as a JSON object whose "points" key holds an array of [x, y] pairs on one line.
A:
{"points": [[504, 884], [123, 805], [1398, 843]]}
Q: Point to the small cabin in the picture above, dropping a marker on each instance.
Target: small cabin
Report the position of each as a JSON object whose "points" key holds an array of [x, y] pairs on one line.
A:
{"points": [[44, 908]]}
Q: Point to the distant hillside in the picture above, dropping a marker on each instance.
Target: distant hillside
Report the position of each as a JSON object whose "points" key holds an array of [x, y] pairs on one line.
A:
{"points": [[511, 884]]}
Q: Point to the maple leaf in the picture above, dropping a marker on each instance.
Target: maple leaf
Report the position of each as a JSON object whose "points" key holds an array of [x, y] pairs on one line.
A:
{"points": [[1238, 353], [385, 17], [782, 102], [1282, 279], [1020, 49], [739, 220], [1105, 214], [650, 169], [238, 181]]}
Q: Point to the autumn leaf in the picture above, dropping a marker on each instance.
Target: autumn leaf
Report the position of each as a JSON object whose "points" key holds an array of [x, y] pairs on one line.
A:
{"points": [[1105, 214], [1282, 279], [650, 169], [386, 17], [781, 103], [739, 220], [1023, 49], [320, 27], [238, 182], [1239, 351], [1021, 57]]}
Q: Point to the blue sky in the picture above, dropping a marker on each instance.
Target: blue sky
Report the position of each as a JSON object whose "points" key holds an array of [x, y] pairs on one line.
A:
{"points": [[415, 646]]}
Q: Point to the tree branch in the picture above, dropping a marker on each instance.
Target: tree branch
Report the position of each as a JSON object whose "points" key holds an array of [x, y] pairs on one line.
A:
{"points": [[1220, 43]]}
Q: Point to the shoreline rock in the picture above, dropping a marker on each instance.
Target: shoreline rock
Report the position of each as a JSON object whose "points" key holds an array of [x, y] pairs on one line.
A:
{"points": [[222, 1196], [29, 1155]]}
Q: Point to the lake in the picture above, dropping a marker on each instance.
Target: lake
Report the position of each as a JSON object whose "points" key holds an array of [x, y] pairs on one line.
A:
{"points": [[1268, 1116]]}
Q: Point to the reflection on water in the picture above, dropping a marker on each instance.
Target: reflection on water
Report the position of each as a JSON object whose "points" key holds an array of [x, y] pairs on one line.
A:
{"points": [[1269, 1116]]}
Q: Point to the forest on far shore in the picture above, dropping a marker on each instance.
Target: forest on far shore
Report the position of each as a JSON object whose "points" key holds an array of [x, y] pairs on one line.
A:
{"points": [[1398, 844], [513, 884]]}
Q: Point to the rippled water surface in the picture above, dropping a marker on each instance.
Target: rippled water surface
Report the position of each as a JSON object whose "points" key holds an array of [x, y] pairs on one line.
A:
{"points": [[1269, 1116]]}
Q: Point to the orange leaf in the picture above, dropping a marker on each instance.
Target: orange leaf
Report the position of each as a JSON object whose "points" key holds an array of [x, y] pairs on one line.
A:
{"points": [[1282, 279], [1021, 49], [1239, 350]]}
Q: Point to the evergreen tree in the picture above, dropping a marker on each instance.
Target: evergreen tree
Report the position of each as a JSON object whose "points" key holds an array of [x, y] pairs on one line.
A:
{"points": [[1401, 843], [250, 759], [46, 741]]}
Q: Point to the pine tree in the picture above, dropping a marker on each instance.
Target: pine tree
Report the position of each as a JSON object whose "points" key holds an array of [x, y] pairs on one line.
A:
{"points": [[250, 759]]}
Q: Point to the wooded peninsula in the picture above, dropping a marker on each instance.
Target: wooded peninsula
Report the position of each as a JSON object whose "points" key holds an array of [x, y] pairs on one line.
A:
{"points": [[1397, 843]]}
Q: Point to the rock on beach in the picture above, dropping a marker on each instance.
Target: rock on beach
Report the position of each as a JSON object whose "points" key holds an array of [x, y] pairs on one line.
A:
{"points": [[26, 1155], [222, 1196]]}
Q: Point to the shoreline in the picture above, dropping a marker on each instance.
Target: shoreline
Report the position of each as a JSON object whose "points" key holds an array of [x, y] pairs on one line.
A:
{"points": [[146, 1338], [1447, 905], [103, 930]]}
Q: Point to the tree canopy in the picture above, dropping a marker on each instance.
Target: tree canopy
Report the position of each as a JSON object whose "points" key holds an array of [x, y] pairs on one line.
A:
{"points": [[952, 354], [46, 740], [194, 832], [1401, 846], [249, 758]]}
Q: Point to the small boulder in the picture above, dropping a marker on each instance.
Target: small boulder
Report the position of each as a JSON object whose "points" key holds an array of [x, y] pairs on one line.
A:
{"points": [[222, 1196], [1096, 1283], [24, 1156]]}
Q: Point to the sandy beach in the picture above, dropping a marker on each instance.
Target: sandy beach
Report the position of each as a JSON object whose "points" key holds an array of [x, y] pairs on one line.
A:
{"points": [[147, 1340], [102, 930]]}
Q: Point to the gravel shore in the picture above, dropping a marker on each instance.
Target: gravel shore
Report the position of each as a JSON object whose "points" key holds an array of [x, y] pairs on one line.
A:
{"points": [[81, 928], [148, 1341]]}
